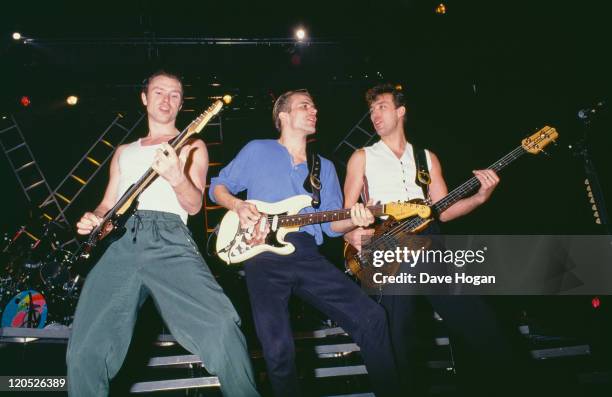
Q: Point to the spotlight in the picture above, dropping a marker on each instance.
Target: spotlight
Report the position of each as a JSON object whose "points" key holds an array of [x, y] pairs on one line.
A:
{"points": [[25, 101], [227, 99], [72, 100], [441, 9], [16, 36], [300, 34]]}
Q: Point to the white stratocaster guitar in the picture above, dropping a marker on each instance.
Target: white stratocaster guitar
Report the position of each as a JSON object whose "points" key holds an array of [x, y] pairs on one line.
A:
{"points": [[282, 217]]}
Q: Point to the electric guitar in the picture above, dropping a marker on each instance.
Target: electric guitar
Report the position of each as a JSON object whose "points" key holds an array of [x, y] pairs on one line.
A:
{"points": [[112, 226], [233, 241], [393, 233]]}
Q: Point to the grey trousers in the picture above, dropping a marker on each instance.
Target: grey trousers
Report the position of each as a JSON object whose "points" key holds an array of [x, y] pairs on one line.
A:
{"points": [[156, 256]]}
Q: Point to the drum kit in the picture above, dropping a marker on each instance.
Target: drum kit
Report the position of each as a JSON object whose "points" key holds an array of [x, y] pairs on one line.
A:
{"points": [[37, 288]]}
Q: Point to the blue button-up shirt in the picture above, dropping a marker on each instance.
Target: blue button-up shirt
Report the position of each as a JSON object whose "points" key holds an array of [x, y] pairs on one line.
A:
{"points": [[265, 169]]}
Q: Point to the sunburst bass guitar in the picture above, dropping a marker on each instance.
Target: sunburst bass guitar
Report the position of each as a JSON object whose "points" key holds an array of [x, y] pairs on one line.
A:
{"points": [[394, 232]]}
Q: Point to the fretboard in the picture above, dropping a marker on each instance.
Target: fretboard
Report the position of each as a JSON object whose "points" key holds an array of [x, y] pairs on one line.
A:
{"points": [[473, 183], [460, 192], [311, 218], [141, 184]]}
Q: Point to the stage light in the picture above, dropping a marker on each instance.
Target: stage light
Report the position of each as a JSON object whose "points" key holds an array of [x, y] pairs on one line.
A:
{"points": [[595, 302], [227, 99], [441, 9], [398, 87], [72, 100], [25, 101], [300, 34], [16, 36]]}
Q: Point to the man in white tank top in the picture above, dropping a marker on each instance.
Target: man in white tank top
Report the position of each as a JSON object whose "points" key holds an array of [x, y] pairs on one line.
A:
{"points": [[157, 257], [390, 171]]}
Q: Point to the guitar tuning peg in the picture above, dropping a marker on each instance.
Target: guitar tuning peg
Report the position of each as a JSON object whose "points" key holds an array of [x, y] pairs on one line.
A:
{"points": [[544, 151]]}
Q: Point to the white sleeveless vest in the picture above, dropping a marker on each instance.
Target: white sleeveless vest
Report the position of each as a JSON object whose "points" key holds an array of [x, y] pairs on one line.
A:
{"points": [[134, 161], [390, 178]]}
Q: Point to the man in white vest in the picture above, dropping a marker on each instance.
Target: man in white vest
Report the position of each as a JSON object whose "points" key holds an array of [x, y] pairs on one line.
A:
{"points": [[389, 170], [156, 256]]}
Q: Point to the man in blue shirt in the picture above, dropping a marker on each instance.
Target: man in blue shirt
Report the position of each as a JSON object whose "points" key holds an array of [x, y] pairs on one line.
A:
{"points": [[273, 170]]}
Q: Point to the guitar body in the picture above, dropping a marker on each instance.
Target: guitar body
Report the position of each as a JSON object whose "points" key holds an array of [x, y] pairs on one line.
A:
{"points": [[232, 246], [359, 265], [92, 250]]}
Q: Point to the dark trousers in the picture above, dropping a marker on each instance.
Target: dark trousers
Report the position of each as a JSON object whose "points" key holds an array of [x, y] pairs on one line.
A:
{"points": [[271, 279], [483, 350], [156, 257]]}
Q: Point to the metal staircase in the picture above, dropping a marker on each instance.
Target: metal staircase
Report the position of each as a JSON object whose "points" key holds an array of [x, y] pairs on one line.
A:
{"points": [[88, 166], [214, 144], [359, 136]]}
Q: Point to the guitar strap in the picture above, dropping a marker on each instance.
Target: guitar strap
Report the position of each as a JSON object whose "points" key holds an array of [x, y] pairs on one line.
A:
{"points": [[312, 183], [365, 191], [422, 178]]}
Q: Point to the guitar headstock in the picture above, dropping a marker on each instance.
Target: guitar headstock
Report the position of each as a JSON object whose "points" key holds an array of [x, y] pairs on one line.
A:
{"points": [[199, 123], [402, 210], [536, 142]]}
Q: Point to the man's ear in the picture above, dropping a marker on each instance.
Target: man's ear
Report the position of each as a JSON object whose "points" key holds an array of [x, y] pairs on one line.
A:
{"points": [[283, 117], [401, 111], [143, 97]]}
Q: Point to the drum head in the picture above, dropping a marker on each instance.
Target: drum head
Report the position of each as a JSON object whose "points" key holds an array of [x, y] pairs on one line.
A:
{"points": [[27, 309], [54, 273]]}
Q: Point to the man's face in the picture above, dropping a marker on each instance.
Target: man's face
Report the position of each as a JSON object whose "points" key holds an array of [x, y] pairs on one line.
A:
{"points": [[384, 115], [303, 114], [163, 99]]}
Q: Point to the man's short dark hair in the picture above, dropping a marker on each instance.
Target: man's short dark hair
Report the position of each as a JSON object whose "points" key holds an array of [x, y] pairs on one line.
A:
{"points": [[161, 72], [282, 105], [395, 91]]}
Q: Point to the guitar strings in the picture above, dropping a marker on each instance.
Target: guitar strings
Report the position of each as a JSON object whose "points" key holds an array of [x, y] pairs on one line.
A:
{"points": [[270, 218], [388, 239]]}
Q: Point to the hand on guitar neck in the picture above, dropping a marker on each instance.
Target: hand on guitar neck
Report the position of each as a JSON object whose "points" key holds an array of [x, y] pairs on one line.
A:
{"points": [[361, 216], [87, 223]]}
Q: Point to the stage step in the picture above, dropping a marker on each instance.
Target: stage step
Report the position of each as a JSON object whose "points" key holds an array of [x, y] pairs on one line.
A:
{"points": [[175, 384]]}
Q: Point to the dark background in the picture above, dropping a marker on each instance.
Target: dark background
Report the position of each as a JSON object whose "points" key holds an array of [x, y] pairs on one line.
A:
{"points": [[478, 80]]}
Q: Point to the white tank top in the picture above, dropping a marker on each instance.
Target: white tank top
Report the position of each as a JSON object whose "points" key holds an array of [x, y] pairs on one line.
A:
{"points": [[134, 161], [390, 178]]}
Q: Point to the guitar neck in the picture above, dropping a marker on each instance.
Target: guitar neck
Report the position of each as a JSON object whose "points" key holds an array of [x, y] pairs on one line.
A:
{"points": [[533, 144], [473, 183], [312, 218], [149, 176], [131, 194]]}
